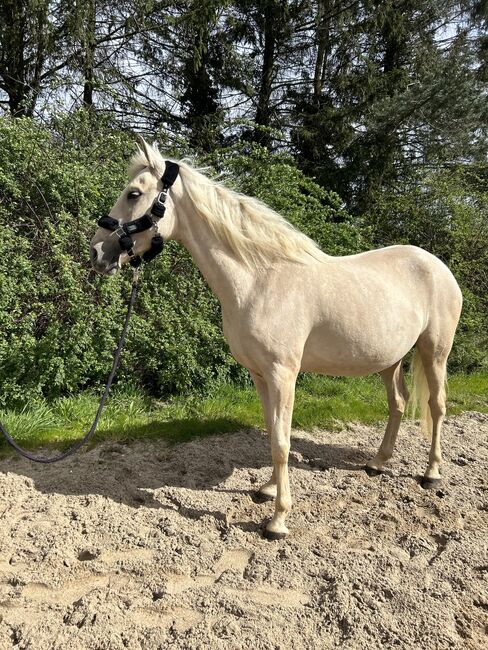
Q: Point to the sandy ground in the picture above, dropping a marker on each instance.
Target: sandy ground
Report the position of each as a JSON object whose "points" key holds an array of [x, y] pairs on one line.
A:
{"points": [[146, 546]]}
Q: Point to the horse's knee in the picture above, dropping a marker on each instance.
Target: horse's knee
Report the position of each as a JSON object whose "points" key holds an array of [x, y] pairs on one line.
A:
{"points": [[437, 406], [280, 449]]}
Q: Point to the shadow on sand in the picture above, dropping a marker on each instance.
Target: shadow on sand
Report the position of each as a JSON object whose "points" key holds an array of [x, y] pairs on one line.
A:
{"points": [[127, 472]]}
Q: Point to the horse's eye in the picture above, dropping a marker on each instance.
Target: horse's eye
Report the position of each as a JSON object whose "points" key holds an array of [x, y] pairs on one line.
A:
{"points": [[134, 194]]}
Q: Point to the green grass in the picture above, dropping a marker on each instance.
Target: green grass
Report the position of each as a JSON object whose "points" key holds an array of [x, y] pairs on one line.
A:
{"points": [[320, 402]]}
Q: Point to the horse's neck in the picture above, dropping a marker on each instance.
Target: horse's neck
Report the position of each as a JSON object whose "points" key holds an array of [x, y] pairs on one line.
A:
{"points": [[227, 276]]}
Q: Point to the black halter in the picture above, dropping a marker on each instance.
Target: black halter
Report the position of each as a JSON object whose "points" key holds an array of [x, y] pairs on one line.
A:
{"points": [[147, 221]]}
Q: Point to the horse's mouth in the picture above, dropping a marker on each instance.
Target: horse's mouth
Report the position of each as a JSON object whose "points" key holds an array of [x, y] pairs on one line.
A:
{"points": [[107, 269]]}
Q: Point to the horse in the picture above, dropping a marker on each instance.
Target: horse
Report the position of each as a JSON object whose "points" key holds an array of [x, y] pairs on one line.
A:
{"points": [[288, 307]]}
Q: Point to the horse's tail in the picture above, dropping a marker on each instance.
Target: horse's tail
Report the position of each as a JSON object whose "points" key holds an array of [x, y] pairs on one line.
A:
{"points": [[419, 399]]}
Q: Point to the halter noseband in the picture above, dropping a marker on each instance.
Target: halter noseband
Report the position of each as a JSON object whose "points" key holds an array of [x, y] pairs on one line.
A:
{"points": [[149, 220]]}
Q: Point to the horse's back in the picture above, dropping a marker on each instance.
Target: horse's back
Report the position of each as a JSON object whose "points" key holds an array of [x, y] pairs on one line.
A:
{"points": [[410, 268], [404, 256]]}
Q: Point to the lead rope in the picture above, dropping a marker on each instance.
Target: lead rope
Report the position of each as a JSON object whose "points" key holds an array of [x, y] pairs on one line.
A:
{"points": [[93, 428]]}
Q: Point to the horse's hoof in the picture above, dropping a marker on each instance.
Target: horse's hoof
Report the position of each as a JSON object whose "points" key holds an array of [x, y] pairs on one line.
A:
{"points": [[372, 471], [272, 536], [430, 483], [259, 497]]}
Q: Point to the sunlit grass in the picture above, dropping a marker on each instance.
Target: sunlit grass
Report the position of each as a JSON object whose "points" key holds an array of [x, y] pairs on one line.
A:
{"points": [[325, 402], [468, 393]]}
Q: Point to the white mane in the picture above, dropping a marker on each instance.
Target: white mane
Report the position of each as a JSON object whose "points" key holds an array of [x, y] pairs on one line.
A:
{"points": [[255, 233]]}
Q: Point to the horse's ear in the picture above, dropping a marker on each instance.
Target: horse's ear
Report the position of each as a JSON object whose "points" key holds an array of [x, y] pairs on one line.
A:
{"points": [[146, 150]]}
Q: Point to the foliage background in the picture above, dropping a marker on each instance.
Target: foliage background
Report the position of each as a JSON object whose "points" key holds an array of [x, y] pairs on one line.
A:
{"points": [[365, 123], [60, 322]]}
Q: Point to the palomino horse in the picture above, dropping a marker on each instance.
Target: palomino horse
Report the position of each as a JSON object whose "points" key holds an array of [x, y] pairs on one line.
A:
{"points": [[288, 307]]}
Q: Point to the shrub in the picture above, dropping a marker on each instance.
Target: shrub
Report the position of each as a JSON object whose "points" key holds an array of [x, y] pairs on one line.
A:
{"points": [[59, 322]]}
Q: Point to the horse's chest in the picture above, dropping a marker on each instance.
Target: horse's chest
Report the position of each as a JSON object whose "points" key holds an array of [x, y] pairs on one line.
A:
{"points": [[237, 333], [257, 336]]}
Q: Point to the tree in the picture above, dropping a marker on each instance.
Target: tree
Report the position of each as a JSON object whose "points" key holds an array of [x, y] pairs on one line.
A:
{"points": [[26, 41], [445, 211], [199, 71], [398, 90]]}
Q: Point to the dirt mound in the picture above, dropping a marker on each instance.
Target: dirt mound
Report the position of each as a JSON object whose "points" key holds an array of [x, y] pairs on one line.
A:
{"points": [[147, 546]]}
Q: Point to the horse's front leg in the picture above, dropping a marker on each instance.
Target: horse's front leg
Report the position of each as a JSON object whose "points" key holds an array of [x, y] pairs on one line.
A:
{"points": [[281, 397], [268, 490]]}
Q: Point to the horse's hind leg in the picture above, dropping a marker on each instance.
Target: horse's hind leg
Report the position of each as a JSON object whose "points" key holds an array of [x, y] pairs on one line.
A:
{"points": [[268, 490], [435, 373], [433, 348], [281, 395], [397, 393]]}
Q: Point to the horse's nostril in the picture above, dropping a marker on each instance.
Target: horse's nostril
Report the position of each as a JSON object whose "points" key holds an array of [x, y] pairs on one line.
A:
{"points": [[94, 255]]}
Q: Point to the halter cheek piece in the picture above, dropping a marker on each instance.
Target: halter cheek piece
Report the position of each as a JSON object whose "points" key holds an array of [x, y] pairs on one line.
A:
{"points": [[149, 220]]}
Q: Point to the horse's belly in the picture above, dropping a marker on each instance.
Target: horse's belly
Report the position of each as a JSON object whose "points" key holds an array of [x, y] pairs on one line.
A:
{"points": [[356, 351]]}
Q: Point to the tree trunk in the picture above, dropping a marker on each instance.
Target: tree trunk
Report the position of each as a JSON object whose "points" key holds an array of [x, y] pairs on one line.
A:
{"points": [[263, 111], [13, 57], [323, 27], [89, 62], [40, 57]]}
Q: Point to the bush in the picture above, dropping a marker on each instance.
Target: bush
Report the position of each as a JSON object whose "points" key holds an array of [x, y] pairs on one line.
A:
{"points": [[59, 322]]}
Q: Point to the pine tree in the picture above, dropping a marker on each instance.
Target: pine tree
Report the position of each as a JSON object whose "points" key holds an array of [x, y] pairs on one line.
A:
{"points": [[398, 89]]}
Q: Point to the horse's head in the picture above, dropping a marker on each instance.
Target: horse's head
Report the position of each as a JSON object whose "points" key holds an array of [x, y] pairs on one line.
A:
{"points": [[142, 217]]}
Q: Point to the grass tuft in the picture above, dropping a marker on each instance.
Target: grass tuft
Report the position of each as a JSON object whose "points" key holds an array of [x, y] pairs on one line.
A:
{"points": [[326, 402]]}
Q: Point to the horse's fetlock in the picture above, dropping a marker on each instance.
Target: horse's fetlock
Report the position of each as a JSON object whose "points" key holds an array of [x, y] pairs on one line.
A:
{"points": [[435, 457], [284, 505]]}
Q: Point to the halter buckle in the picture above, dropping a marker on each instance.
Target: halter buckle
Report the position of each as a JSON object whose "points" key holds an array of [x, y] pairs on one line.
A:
{"points": [[158, 207]]}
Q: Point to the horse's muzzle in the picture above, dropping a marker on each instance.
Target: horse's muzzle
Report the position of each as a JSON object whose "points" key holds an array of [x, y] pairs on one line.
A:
{"points": [[103, 263]]}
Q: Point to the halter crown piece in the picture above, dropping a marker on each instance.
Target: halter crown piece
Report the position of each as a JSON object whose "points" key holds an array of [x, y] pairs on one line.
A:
{"points": [[147, 221]]}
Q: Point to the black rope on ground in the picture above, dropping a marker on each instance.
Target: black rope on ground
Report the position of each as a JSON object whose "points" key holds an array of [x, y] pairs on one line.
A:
{"points": [[89, 434]]}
